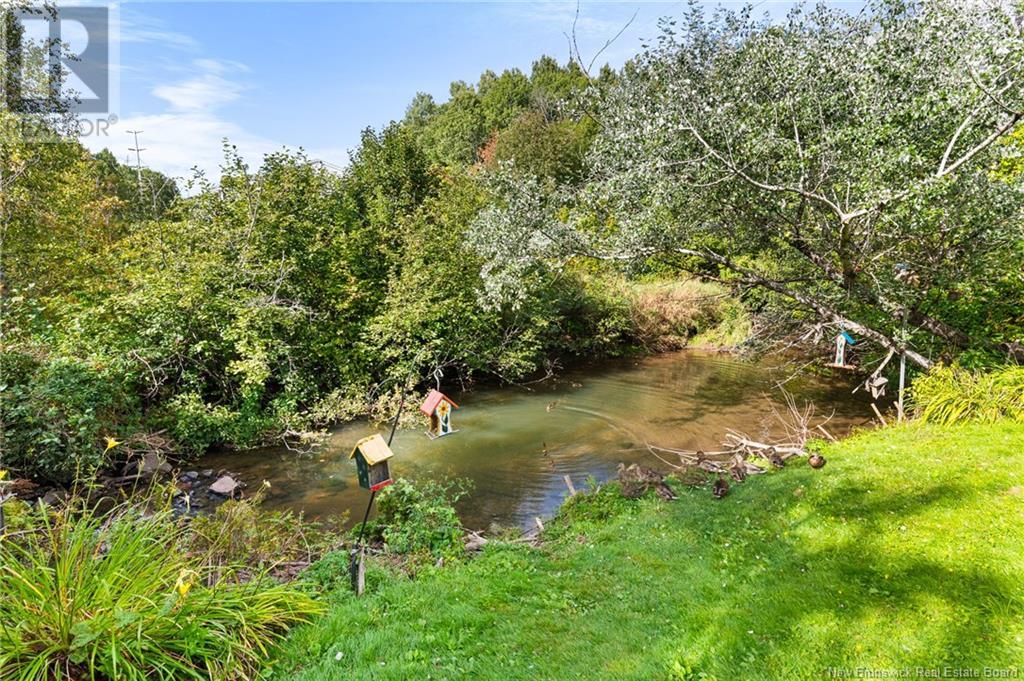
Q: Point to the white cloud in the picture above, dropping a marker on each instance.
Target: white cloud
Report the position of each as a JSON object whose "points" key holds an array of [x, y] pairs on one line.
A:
{"points": [[203, 92], [190, 132], [176, 142], [134, 27]]}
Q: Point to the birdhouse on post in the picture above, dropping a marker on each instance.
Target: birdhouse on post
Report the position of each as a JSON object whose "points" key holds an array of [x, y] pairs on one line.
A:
{"points": [[438, 408], [371, 455]]}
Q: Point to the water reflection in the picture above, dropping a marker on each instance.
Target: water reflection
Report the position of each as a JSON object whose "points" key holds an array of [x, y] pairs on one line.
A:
{"points": [[516, 445]]}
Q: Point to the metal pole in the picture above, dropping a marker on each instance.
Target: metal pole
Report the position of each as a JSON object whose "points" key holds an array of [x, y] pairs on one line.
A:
{"points": [[398, 415], [903, 377], [362, 527], [355, 560]]}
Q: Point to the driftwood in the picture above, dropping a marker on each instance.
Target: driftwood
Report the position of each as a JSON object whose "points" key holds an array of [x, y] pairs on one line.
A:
{"points": [[733, 460], [475, 541]]}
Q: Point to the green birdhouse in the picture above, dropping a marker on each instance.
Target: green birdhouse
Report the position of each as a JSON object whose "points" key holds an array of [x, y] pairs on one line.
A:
{"points": [[371, 455]]}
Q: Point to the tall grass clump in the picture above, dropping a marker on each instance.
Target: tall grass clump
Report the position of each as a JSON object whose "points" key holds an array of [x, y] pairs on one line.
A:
{"points": [[952, 394], [668, 315], [117, 596]]}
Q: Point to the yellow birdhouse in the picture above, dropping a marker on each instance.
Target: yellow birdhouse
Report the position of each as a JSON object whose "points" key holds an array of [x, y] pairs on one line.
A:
{"points": [[371, 455]]}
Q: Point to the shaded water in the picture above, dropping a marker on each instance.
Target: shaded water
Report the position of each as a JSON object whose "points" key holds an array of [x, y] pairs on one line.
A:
{"points": [[587, 420]]}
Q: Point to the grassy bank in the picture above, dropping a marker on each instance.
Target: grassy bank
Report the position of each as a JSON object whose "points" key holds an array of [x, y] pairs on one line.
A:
{"points": [[904, 551]]}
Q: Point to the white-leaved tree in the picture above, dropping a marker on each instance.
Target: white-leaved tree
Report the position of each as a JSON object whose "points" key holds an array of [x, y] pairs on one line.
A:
{"points": [[840, 161]]}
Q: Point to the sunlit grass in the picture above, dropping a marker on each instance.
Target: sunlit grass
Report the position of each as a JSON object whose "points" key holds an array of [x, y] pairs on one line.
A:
{"points": [[904, 551], [116, 596], [952, 394]]}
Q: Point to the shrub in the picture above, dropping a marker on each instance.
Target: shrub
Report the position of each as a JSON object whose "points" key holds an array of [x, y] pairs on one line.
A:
{"points": [[948, 394], [421, 518], [55, 413], [117, 596], [240, 532]]}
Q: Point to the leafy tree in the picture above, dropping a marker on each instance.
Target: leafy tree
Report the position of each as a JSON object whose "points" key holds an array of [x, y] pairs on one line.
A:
{"points": [[552, 84], [419, 111], [503, 98], [839, 162], [454, 134], [143, 194], [554, 150]]}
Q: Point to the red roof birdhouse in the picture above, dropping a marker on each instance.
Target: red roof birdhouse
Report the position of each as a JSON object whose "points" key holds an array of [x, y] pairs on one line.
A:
{"points": [[438, 407]]}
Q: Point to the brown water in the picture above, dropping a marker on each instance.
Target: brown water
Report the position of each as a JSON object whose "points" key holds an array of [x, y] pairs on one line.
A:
{"points": [[588, 420]]}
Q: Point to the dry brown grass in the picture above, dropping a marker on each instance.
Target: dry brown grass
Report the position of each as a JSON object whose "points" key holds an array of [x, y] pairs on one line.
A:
{"points": [[669, 315]]}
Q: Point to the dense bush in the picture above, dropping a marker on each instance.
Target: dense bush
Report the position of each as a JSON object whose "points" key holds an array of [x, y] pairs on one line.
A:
{"points": [[55, 412], [951, 394], [118, 597], [420, 518], [240, 532]]}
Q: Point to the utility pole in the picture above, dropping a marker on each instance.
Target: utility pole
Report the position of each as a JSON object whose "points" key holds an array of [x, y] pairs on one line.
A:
{"points": [[138, 158]]}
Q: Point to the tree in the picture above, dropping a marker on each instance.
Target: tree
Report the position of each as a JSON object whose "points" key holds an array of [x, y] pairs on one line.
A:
{"points": [[551, 84], [838, 161], [144, 194], [503, 97], [552, 150], [454, 134], [419, 111]]}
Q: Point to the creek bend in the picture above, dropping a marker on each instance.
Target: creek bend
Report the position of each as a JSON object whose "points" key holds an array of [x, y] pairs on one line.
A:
{"points": [[587, 419]]}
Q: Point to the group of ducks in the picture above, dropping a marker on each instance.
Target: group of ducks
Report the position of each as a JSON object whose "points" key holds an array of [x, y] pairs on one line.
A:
{"points": [[721, 487]]}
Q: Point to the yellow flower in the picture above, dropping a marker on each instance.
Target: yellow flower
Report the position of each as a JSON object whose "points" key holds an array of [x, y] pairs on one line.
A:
{"points": [[185, 579], [3, 474], [111, 443]]}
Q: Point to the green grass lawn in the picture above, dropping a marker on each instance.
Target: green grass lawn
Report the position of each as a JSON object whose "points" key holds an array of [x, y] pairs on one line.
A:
{"points": [[905, 551]]}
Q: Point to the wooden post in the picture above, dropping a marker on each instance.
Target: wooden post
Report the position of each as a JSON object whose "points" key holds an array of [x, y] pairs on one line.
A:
{"points": [[568, 483], [825, 432], [903, 378], [360, 584], [878, 414]]}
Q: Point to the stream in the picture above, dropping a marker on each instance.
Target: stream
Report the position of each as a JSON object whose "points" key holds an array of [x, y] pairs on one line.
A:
{"points": [[587, 420]]}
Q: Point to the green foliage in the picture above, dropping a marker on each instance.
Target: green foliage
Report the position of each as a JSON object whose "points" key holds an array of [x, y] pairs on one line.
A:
{"points": [[55, 413], [710, 138], [513, 106], [329, 576], [240, 532], [454, 134], [950, 394], [420, 518], [117, 596], [141, 194], [597, 506], [503, 97], [668, 314], [544, 148]]}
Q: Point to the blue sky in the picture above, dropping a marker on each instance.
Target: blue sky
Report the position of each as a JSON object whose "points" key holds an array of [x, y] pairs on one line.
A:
{"points": [[313, 74]]}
